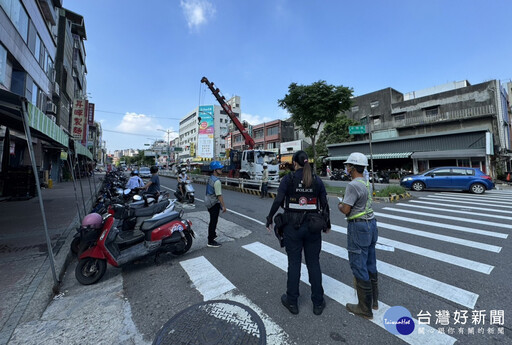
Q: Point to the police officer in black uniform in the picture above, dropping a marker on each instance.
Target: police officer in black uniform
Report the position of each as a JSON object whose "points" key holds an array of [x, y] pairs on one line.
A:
{"points": [[301, 194]]}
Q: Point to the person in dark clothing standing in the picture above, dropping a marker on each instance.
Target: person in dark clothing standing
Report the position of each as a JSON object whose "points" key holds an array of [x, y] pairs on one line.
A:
{"points": [[302, 195], [214, 201]]}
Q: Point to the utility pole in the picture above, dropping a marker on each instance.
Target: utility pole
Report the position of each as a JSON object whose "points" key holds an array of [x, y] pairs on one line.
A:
{"points": [[371, 152], [168, 144]]}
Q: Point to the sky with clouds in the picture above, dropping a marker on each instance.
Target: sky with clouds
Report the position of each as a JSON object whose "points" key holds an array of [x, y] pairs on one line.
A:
{"points": [[145, 59]]}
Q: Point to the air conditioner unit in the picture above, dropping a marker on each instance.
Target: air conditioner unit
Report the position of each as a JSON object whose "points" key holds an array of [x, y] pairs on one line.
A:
{"points": [[51, 108], [56, 89]]}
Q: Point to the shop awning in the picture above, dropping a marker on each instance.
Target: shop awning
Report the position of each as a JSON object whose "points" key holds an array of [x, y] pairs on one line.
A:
{"points": [[449, 154], [393, 155], [41, 126], [82, 150]]}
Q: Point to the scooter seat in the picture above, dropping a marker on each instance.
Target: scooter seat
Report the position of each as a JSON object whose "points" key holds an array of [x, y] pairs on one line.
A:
{"points": [[126, 238], [156, 222], [150, 210]]}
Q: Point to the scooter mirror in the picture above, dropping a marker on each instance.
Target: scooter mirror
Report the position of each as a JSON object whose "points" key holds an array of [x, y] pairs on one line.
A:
{"points": [[127, 191], [137, 197], [182, 212]]}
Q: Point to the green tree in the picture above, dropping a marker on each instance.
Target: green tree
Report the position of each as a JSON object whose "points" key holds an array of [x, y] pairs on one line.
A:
{"points": [[335, 132], [312, 105]]}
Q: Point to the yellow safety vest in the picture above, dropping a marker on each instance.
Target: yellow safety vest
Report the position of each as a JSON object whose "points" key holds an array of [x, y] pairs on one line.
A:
{"points": [[368, 209]]}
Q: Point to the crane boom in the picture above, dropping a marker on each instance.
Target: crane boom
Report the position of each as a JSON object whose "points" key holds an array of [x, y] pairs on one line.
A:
{"points": [[249, 141]]}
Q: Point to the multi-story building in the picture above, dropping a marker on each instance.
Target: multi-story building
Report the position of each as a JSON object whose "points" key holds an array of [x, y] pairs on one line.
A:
{"points": [[267, 135], [452, 124], [209, 141], [70, 71]]}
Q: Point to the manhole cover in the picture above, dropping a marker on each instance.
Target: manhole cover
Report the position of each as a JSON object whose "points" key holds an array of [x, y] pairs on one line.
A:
{"points": [[214, 322]]}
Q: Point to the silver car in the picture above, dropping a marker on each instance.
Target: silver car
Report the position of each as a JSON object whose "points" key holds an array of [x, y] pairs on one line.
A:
{"points": [[144, 172]]}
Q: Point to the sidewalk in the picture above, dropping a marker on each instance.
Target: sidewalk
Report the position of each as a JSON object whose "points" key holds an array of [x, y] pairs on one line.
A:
{"points": [[27, 282]]}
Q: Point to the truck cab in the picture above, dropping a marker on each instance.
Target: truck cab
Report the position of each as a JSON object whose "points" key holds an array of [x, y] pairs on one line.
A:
{"points": [[252, 165]]}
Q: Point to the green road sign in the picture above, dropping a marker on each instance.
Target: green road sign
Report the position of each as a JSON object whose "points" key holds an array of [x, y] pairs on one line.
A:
{"points": [[356, 129]]}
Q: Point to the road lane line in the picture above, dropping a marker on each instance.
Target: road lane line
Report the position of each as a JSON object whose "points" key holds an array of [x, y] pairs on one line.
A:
{"points": [[443, 225], [457, 219], [343, 294], [206, 278], [450, 239], [433, 286], [459, 206], [477, 197], [432, 254], [465, 201], [201, 271], [494, 216]]}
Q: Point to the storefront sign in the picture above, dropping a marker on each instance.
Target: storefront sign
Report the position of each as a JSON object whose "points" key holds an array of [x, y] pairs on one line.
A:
{"points": [[78, 121]]}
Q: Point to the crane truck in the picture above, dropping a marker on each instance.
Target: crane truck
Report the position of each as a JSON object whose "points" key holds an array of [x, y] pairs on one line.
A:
{"points": [[247, 164]]}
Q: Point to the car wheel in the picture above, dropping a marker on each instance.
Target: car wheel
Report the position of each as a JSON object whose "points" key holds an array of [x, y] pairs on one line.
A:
{"points": [[418, 186], [477, 188]]}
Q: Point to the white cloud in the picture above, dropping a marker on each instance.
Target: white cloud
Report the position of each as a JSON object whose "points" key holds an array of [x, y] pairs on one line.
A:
{"points": [[197, 12], [136, 123], [255, 119]]}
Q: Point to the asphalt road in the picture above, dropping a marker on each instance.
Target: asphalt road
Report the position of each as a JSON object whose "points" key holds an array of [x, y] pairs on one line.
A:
{"points": [[440, 253]]}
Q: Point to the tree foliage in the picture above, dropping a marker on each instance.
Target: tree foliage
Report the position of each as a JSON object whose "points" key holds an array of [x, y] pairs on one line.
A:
{"points": [[335, 132], [312, 105]]}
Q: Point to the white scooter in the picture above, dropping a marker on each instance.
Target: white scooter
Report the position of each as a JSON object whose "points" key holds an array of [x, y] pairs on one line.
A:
{"points": [[189, 193]]}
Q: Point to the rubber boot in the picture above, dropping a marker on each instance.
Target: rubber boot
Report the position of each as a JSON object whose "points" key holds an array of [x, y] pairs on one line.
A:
{"points": [[375, 289], [364, 296]]}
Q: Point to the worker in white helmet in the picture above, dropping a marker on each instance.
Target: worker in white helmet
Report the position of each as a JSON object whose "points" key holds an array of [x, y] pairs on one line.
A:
{"points": [[362, 236]]}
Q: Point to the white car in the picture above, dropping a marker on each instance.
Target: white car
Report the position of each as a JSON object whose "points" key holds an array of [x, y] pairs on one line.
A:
{"points": [[144, 172]]}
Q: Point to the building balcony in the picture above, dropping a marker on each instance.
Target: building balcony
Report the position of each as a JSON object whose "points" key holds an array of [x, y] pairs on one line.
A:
{"points": [[419, 120], [48, 10]]}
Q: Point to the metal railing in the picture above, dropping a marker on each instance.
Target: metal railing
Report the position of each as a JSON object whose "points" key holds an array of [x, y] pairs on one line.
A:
{"points": [[237, 182]]}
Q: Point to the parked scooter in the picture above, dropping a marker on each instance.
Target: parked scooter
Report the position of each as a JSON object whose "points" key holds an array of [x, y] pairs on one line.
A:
{"points": [[339, 175], [169, 233], [189, 192], [131, 218]]}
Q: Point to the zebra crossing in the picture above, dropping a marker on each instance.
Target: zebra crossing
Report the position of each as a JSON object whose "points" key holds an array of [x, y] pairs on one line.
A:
{"points": [[440, 217]]}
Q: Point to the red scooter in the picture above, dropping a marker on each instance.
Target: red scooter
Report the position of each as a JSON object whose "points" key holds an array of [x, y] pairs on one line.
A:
{"points": [[164, 233]]}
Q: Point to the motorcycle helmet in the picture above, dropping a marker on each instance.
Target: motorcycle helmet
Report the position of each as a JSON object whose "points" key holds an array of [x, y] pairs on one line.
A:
{"points": [[93, 221], [265, 165], [357, 158], [183, 170], [216, 165]]}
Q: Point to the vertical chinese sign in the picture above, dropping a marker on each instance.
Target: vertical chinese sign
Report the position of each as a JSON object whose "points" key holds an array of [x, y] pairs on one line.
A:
{"points": [[206, 132], [79, 122]]}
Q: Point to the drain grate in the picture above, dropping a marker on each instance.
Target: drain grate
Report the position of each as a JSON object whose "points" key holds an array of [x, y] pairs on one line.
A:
{"points": [[217, 322]]}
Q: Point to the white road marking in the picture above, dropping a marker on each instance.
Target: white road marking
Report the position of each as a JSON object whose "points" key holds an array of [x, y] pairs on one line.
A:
{"points": [[343, 294], [450, 239], [457, 219], [432, 254], [206, 278], [213, 285], [443, 225], [435, 287], [459, 206], [465, 201], [456, 211], [477, 197]]}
